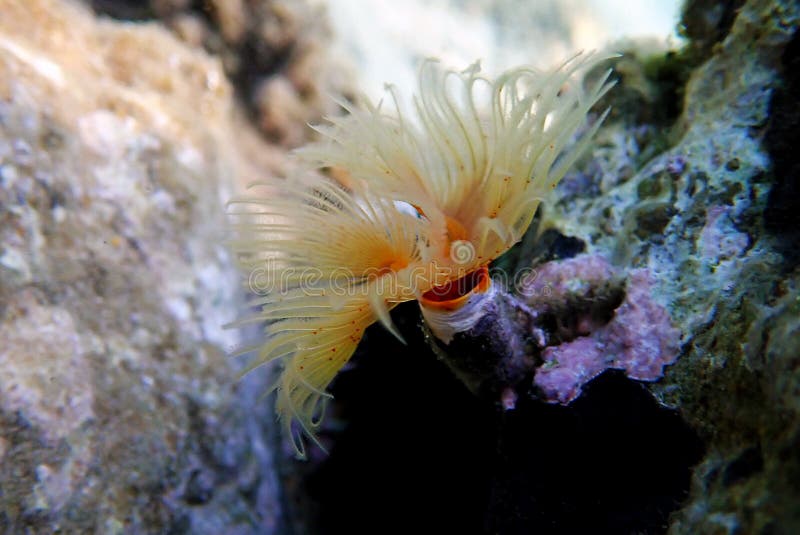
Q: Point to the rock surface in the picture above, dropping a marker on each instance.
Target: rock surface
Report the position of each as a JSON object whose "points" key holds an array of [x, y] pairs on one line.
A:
{"points": [[119, 407], [692, 204]]}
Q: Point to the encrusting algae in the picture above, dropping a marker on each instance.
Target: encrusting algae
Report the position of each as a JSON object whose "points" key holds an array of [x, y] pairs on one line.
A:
{"points": [[397, 205]]}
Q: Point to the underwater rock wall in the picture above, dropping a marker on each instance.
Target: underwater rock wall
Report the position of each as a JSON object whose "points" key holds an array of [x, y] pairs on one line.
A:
{"points": [[738, 381], [697, 216], [120, 410]]}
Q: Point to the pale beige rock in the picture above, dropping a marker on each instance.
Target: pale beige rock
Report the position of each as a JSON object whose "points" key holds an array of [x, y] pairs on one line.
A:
{"points": [[44, 368], [120, 410]]}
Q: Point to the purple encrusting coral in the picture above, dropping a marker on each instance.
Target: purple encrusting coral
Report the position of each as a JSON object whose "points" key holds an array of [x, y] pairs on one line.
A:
{"points": [[556, 282], [638, 339]]}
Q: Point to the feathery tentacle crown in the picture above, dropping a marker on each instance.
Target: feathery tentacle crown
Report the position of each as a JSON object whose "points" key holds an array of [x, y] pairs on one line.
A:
{"points": [[394, 206]]}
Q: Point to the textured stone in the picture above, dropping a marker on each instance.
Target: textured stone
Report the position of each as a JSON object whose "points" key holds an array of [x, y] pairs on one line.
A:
{"points": [[119, 409], [696, 213]]}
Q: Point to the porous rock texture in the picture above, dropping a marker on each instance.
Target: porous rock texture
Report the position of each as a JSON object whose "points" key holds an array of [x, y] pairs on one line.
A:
{"points": [[120, 409], [706, 204]]}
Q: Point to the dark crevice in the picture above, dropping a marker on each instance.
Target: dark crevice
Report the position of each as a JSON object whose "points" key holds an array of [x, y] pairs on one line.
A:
{"points": [[414, 448], [747, 464], [536, 248], [613, 462], [415, 444], [132, 10], [553, 245], [582, 313], [706, 23], [257, 62], [782, 215]]}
